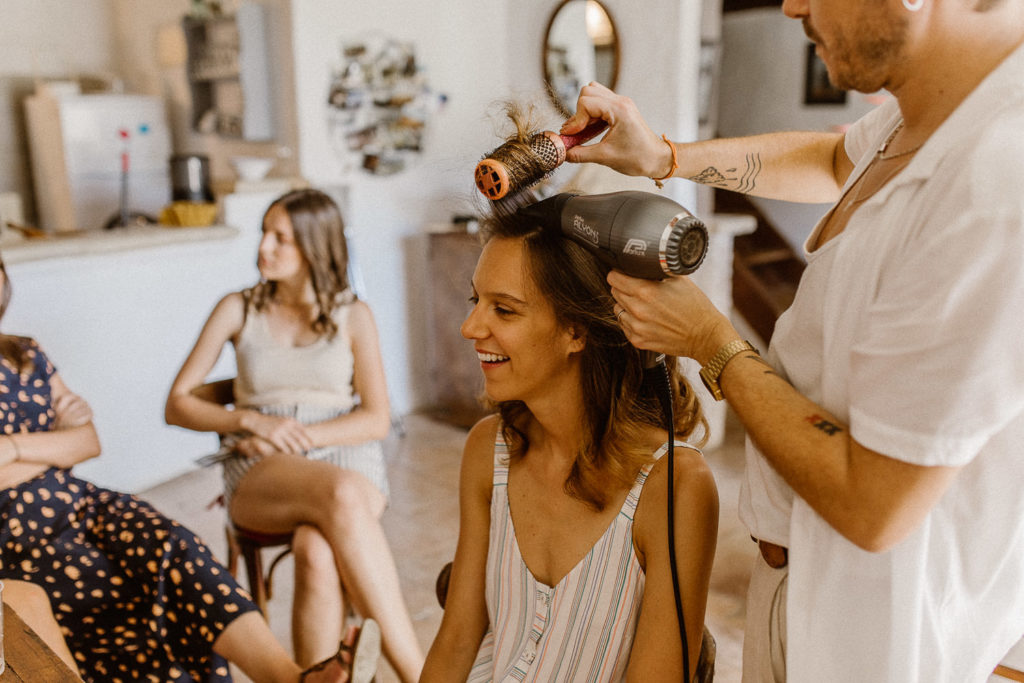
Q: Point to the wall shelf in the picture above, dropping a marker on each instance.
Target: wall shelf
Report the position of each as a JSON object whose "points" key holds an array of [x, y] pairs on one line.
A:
{"points": [[228, 72]]}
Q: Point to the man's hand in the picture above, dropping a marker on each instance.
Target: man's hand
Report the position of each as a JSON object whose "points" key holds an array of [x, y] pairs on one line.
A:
{"points": [[629, 146], [670, 316]]}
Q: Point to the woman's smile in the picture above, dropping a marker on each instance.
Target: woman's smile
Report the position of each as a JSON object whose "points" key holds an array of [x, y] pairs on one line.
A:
{"points": [[490, 359]]}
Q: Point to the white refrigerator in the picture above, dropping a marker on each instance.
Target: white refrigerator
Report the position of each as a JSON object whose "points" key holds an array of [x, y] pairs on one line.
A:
{"points": [[86, 150]]}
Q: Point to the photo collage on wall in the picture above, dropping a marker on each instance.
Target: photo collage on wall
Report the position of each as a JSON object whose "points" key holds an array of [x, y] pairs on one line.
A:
{"points": [[379, 105]]}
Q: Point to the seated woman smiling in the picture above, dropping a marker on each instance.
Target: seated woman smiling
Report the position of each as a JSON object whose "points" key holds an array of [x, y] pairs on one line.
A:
{"points": [[562, 569]]}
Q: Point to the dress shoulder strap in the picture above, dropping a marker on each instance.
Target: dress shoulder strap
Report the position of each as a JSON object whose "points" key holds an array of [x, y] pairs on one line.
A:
{"points": [[501, 459], [633, 498]]}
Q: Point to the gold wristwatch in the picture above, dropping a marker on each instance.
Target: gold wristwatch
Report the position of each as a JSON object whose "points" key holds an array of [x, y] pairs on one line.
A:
{"points": [[710, 373]]}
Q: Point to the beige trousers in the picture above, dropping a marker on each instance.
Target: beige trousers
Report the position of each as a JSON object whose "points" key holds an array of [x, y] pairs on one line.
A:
{"points": [[764, 638]]}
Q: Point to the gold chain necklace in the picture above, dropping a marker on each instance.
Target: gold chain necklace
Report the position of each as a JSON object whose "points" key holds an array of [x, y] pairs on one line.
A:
{"points": [[885, 145]]}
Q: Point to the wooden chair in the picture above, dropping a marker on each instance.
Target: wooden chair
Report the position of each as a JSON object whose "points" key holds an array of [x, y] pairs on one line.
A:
{"points": [[249, 545], [246, 543], [705, 663]]}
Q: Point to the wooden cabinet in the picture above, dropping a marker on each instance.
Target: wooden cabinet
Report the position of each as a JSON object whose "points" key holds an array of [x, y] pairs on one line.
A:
{"points": [[456, 382], [228, 74]]}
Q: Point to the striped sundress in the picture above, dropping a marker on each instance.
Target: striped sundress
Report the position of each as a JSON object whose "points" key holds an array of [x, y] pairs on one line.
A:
{"points": [[581, 629]]}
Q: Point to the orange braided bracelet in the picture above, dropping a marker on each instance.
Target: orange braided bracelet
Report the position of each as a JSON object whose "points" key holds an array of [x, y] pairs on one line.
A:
{"points": [[675, 164]]}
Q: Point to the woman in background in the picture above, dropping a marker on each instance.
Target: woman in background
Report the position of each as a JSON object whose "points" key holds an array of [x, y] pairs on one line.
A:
{"points": [[562, 569], [135, 594], [310, 410]]}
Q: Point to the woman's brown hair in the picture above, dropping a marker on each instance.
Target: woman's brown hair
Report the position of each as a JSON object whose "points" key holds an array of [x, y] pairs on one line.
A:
{"points": [[619, 406], [320, 236]]}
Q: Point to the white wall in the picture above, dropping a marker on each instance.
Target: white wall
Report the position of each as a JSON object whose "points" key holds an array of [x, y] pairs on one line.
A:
{"points": [[118, 326], [462, 50], [762, 90]]}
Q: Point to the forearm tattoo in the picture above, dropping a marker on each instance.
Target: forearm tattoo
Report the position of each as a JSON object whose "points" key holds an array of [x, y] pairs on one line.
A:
{"points": [[820, 423], [732, 178], [768, 369]]}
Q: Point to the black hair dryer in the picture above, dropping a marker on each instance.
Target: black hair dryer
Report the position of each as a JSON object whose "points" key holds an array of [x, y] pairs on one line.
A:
{"points": [[643, 234]]}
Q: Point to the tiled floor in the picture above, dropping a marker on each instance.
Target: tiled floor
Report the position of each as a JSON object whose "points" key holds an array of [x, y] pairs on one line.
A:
{"points": [[422, 524]]}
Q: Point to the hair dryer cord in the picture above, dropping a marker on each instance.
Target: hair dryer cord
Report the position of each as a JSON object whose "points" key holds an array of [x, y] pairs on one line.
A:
{"points": [[662, 384]]}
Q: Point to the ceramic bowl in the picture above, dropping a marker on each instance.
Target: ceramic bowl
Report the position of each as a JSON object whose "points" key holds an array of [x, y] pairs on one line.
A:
{"points": [[252, 169]]}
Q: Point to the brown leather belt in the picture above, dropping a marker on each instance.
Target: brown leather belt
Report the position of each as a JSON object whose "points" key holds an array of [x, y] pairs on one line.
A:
{"points": [[775, 556]]}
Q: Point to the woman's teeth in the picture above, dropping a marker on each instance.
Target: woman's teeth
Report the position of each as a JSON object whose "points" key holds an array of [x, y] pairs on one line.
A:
{"points": [[491, 357]]}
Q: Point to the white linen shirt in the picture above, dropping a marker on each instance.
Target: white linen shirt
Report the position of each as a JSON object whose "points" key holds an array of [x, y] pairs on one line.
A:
{"points": [[907, 327]]}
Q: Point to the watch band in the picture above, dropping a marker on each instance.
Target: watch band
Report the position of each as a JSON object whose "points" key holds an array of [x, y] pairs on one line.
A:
{"points": [[712, 371]]}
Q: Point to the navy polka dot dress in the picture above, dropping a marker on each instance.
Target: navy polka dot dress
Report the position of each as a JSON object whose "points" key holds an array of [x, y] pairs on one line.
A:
{"points": [[138, 596]]}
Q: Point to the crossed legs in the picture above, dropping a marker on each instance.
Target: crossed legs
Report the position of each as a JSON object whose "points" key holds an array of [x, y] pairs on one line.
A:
{"points": [[335, 514]]}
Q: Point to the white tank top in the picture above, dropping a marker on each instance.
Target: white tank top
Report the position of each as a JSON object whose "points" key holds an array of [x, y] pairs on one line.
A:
{"points": [[272, 373]]}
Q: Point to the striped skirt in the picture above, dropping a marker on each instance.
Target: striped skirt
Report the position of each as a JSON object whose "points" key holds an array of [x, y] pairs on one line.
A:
{"points": [[367, 458]]}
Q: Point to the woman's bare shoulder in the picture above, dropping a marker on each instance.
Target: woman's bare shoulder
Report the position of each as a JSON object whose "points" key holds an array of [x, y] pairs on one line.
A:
{"points": [[694, 486], [229, 313], [478, 456], [482, 435]]}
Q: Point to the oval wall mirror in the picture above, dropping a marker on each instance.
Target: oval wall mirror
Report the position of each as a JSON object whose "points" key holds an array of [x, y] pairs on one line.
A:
{"points": [[581, 45]]}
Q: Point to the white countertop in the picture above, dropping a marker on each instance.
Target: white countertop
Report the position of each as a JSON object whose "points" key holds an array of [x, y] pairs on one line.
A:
{"points": [[106, 241]]}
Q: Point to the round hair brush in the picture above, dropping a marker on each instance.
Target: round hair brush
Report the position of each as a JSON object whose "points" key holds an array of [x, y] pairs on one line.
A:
{"points": [[516, 165]]}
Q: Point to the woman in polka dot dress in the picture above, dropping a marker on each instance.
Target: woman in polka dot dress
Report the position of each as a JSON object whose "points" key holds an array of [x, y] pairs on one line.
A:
{"points": [[136, 595]]}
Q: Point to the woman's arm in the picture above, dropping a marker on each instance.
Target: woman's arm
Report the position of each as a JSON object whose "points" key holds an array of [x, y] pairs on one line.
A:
{"points": [[657, 654], [72, 440], [190, 408], [371, 419], [186, 405], [465, 616]]}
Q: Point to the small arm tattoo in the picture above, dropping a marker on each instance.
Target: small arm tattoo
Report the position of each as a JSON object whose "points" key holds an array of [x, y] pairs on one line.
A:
{"points": [[768, 369], [830, 428], [712, 176], [732, 178], [753, 170]]}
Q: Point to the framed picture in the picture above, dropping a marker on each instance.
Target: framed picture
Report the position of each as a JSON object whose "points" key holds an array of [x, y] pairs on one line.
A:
{"points": [[817, 87]]}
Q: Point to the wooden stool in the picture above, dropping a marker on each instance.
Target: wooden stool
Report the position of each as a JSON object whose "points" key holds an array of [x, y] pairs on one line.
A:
{"points": [[248, 544]]}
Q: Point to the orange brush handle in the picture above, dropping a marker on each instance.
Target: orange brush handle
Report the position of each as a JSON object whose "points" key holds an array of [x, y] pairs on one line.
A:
{"points": [[591, 131]]}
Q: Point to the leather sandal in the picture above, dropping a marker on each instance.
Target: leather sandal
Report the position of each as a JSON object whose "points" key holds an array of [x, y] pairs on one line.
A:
{"points": [[359, 658]]}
